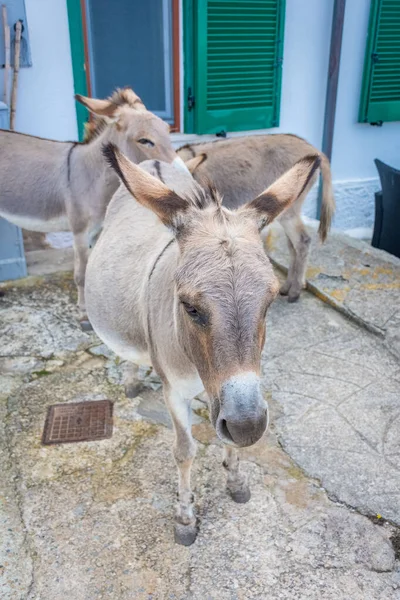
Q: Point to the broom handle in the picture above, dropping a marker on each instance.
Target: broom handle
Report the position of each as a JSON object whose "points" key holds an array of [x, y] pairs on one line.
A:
{"points": [[6, 33], [18, 29]]}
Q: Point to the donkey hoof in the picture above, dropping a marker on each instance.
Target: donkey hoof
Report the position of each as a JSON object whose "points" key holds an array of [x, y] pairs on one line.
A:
{"points": [[133, 389], [284, 289], [241, 496], [86, 325], [293, 297], [185, 535]]}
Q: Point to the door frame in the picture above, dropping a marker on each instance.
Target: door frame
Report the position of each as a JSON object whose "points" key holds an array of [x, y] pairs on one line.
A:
{"points": [[79, 40]]}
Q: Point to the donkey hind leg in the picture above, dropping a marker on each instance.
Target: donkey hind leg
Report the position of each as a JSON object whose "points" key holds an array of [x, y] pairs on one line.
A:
{"points": [[299, 240], [184, 452], [81, 254], [236, 482], [133, 386], [286, 285]]}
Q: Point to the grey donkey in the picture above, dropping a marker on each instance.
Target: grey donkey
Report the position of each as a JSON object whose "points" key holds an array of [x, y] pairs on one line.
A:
{"points": [[55, 186], [241, 168], [183, 284]]}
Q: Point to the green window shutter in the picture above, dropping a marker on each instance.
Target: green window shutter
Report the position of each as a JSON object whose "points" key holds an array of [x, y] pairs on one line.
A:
{"points": [[237, 64], [78, 60], [380, 93]]}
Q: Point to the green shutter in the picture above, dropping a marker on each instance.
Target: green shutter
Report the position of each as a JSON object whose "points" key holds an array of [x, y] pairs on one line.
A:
{"points": [[380, 93], [237, 64], [78, 59]]}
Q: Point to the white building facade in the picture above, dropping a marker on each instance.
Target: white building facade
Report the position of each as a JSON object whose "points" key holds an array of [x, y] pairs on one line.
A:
{"points": [[46, 105]]}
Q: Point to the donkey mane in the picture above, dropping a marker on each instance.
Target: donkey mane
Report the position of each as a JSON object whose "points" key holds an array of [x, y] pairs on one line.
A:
{"points": [[204, 195], [120, 97], [93, 128]]}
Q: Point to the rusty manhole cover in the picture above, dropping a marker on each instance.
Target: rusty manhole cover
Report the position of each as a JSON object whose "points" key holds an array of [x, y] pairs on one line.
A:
{"points": [[78, 422]]}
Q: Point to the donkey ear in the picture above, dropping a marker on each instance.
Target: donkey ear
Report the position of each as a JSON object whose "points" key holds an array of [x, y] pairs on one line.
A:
{"points": [[145, 188], [103, 108], [195, 162], [284, 191]]}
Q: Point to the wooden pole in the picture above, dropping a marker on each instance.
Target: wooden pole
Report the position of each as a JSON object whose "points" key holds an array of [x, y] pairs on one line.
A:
{"points": [[7, 50], [17, 51], [332, 84]]}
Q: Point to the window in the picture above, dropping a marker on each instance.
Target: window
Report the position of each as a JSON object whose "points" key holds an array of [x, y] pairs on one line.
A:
{"points": [[127, 43], [380, 93], [130, 44], [233, 63]]}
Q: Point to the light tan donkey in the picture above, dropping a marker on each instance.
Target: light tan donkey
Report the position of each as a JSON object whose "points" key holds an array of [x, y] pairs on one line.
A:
{"points": [[240, 168], [179, 282], [55, 186]]}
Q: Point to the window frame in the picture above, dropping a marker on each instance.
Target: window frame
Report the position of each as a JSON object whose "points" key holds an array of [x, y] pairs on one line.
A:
{"points": [[80, 50]]}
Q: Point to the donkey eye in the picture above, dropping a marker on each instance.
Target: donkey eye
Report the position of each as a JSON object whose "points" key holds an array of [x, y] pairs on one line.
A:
{"points": [[195, 314], [146, 142], [191, 310]]}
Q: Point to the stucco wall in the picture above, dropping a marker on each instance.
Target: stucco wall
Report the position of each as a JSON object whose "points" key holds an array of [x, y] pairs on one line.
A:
{"points": [[304, 77], [307, 40], [46, 106], [357, 144]]}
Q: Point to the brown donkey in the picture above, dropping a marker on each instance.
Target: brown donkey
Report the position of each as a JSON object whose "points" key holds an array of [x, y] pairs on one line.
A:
{"points": [[241, 168], [54, 186], [181, 283]]}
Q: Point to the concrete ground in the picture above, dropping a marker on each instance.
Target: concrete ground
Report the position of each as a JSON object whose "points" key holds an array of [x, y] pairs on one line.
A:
{"points": [[95, 519]]}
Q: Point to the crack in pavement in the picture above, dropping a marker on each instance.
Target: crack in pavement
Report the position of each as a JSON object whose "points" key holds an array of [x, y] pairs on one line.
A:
{"points": [[19, 501]]}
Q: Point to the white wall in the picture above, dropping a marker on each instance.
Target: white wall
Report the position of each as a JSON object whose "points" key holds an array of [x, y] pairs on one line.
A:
{"points": [[46, 105], [304, 77], [304, 74], [357, 144], [305, 68], [306, 57]]}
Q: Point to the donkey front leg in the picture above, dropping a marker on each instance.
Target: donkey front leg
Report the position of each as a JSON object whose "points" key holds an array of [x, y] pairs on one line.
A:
{"points": [[184, 452], [81, 254], [237, 482], [132, 383]]}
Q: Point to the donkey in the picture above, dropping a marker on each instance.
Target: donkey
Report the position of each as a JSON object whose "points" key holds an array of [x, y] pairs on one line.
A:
{"points": [[241, 168], [178, 282], [54, 186]]}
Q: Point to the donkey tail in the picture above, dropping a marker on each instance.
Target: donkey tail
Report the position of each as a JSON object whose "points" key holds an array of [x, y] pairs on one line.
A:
{"points": [[328, 201]]}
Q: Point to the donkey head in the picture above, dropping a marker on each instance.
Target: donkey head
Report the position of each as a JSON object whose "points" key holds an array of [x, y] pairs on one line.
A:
{"points": [[224, 284], [136, 131]]}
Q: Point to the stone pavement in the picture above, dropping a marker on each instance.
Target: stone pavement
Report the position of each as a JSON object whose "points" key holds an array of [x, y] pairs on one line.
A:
{"points": [[360, 281], [95, 520]]}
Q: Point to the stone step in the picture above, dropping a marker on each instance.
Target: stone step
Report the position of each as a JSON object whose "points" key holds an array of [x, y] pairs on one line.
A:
{"points": [[358, 280]]}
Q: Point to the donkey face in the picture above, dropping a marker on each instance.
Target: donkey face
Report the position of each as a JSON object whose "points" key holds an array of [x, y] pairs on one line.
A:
{"points": [[144, 135], [224, 286], [137, 132]]}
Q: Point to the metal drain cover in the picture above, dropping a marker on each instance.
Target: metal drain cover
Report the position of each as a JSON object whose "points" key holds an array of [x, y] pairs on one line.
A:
{"points": [[78, 422]]}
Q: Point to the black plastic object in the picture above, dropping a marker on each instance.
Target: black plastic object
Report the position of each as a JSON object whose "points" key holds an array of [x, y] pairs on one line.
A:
{"points": [[386, 234], [376, 237]]}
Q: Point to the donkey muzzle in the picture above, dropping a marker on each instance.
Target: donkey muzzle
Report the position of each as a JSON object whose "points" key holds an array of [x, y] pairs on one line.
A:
{"points": [[243, 415]]}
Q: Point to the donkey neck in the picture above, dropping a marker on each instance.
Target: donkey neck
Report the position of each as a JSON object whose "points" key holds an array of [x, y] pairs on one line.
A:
{"points": [[166, 333], [89, 160]]}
